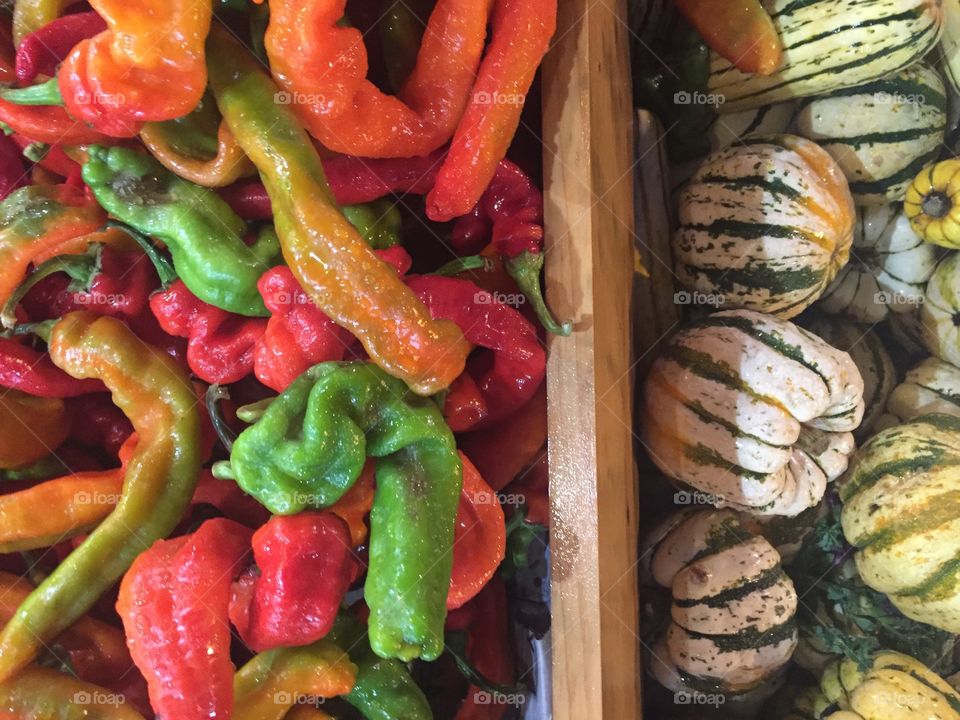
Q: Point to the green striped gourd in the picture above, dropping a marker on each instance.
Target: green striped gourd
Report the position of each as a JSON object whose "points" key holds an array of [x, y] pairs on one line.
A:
{"points": [[901, 510], [727, 129], [867, 351], [941, 311], [933, 386], [881, 134], [753, 411], [888, 270], [894, 687], [831, 44], [732, 619], [765, 225]]}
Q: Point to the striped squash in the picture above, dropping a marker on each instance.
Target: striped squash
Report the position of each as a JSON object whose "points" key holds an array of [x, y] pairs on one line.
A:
{"points": [[901, 510], [933, 386], [867, 351], [764, 225], [950, 42], [753, 411], [906, 335], [832, 44], [732, 619], [894, 687], [881, 134], [941, 311], [727, 129], [888, 270]]}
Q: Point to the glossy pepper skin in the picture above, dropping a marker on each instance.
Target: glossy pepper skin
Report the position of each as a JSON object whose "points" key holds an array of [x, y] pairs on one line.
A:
{"points": [[305, 568], [33, 427], [267, 687], [310, 53], [519, 363], [12, 173], [148, 65], [38, 692], [30, 371], [31, 15], [310, 446], [326, 254], [42, 50], [157, 396], [384, 689], [173, 602], [204, 236]]}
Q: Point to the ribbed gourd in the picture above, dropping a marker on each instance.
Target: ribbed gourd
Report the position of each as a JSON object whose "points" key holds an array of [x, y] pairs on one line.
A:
{"points": [[932, 203], [868, 353], [765, 224], [881, 134], [732, 615], [940, 313], [933, 386], [893, 687], [901, 510], [888, 270], [753, 411], [831, 44]]}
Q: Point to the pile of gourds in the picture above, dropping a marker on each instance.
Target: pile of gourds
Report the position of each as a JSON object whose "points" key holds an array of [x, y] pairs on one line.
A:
{"points": [[825, 224]]}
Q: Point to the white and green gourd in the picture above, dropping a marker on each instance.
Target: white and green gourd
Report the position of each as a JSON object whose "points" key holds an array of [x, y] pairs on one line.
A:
{"points": [[732, 618], [888, 269], [901, 510], [940, 313], [753, 411], [881, 134], [933, 386], [831, 44], [765, 224], [729, 128], [950, 42], [868, 352]]}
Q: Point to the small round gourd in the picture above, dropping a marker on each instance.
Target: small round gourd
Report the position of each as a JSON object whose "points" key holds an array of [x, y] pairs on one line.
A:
{"points": [[932, 203], [732, 619], [888, 270], [901, 510], [933, 386], [753, 411], [940, 314], [765, 224]]}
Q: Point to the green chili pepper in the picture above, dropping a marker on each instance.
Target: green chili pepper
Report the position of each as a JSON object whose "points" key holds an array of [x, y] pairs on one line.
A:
{"points": [[204, 236], [309, 447], [195, 134], [525, 270], [401, 31], [384, 689], [45, 93], [379, 222]]}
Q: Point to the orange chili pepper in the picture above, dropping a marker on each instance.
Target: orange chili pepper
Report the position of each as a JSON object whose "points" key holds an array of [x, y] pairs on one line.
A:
{"points": [[33, 427], [742, 32], [147, 65], [227, 166], [354, 506]]}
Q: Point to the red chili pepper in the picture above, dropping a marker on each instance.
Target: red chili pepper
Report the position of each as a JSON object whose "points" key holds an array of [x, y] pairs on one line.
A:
{"points": [[13, 174], [501, 451], [480, 537], [174, 604], [228, 498], [491, 389], [220, 347], [49, 124], [98, 423], [352, 180], [40, 52], [25, 369], [489, 650], [306, 566], [509, 215], [54, 159]]}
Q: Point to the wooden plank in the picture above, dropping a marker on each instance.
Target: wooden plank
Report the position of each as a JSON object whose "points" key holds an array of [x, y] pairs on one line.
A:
{"points": [[588, 161]]}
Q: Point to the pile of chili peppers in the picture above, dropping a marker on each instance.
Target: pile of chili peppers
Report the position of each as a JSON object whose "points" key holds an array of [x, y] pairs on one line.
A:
{"points": [[272, 357]]}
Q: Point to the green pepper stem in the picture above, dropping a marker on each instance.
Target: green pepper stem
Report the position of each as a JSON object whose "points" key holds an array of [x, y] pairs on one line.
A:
{"points": [[81, 268], [212, 398], [254, 411], [161, 262], [455, 267], [222, 470], [45, 93], [525, 270]]}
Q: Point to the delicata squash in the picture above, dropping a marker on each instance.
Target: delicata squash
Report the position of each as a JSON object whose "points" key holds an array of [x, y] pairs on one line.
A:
{"points": [[765, 224], [754, 411]]}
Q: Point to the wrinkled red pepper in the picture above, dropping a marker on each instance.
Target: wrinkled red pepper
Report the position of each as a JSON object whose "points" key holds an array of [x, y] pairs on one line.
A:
{"points": [[491, 389], [305, 568], [40, 52], [174, 604], [25, 369]]}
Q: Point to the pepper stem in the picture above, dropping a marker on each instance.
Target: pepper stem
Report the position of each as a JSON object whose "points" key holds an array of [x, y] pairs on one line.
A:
{"points": [[455, 267], [161, 262], [936, 204], [45, 93], [81, 268], [254, 411], [525, 270], [216, 393], [222, 470]]}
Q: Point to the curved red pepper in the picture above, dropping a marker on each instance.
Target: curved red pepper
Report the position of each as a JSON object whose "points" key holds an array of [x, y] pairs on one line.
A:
{"points": [[488, 391], [305, 568], [50, 124], [174, 604], [25, 369], [13, 174], [41, 51], [55, 160]]}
